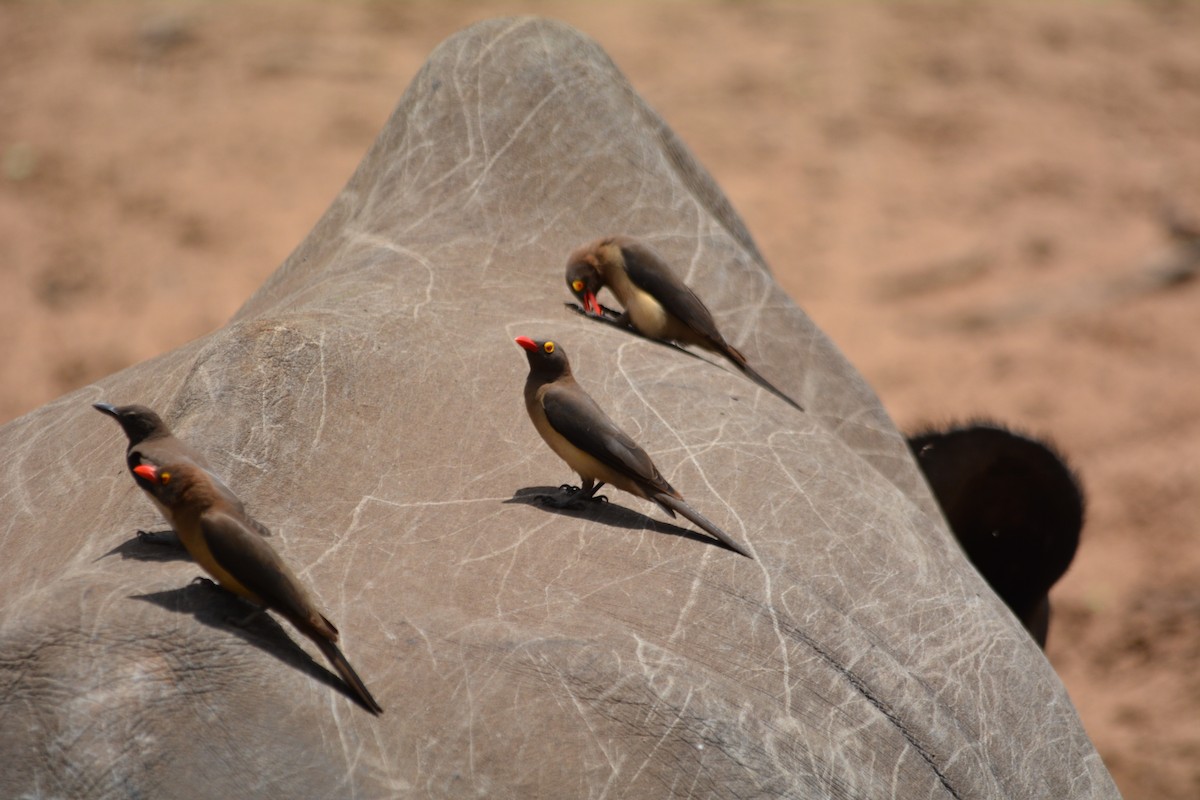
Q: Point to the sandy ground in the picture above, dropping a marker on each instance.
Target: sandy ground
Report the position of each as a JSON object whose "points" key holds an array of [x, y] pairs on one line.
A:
{"points": [[986, 207]]}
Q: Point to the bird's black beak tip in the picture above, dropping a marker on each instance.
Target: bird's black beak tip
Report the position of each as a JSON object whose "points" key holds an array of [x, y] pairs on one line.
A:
{"points": [[105, 408]]}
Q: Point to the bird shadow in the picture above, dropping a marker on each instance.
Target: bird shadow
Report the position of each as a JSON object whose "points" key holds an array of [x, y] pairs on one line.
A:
{"points": [[150, 546], [603, 511], [616, 322], [215, 607]]}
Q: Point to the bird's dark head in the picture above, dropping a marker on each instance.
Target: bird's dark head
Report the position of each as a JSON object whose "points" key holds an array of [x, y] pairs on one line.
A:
{"points": [[545, 357], [138, 422], [584, 281]]}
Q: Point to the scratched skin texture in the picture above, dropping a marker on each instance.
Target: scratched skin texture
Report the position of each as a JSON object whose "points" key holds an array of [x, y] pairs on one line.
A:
{"points": [[366, 404]]}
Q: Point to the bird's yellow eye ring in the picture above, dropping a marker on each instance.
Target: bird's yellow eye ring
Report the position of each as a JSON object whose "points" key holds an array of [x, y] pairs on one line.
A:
{"points": [[164, 478], [548, 347], [577, 286]]}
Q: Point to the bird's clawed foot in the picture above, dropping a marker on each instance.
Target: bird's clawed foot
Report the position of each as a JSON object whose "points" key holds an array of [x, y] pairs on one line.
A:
{"points": [[571, 497], [239, 622], [200, 580], [567, 497], [610, 315], [166, 537], [607, 314]]}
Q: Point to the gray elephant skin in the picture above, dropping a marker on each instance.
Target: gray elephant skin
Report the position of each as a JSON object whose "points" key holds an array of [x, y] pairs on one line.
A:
{"points": [[366, 405]]}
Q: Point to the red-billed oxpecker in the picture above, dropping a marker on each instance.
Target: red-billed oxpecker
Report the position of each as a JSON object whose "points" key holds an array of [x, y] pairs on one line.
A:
{"points": [[221, 540], [657, 303], [592, 445], [151, 440]]}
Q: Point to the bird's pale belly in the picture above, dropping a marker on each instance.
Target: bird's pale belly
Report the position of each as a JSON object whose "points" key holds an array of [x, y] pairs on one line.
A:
{"points": [[651, 319], [647, 315], [193, 540], [584, 465]]}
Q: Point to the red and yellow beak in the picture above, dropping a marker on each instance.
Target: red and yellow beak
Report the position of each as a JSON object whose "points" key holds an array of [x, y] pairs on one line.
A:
{"points": [[585, 295], [147, 471], [590, 303]]}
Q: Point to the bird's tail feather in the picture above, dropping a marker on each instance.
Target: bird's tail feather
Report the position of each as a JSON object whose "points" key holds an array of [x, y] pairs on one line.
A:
{"points": [[677, 504], [753, 375], [334, 654]]}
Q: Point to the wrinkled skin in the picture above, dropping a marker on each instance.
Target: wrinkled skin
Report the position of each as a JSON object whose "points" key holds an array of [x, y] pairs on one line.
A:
{"points": [[366, 402]]}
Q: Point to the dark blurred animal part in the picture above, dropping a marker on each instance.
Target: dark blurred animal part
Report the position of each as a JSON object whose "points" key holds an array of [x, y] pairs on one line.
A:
{"points": [[1015, 506]]}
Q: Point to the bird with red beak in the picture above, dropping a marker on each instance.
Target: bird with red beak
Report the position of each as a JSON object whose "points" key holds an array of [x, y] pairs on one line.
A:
{"points": [[224, 544], [582, 435], [657, 304]]}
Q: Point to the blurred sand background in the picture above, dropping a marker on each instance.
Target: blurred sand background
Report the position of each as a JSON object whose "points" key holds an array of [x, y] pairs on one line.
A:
{"points": [[992, 209]]}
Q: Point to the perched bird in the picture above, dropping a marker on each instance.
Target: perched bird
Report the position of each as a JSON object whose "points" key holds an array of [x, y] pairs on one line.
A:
{"points": [[219, 537], [583, 436], [657, 303], [151, 440]]}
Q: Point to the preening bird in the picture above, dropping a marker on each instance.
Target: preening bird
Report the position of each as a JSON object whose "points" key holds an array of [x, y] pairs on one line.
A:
{"points": [[582, 435], [151, 440], [657, 304], [222, 541]]}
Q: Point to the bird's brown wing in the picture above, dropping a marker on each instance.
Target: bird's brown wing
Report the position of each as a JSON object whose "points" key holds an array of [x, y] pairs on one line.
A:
{"points": [[575, 415], [253, 563], [237, 503], [647, 271]]}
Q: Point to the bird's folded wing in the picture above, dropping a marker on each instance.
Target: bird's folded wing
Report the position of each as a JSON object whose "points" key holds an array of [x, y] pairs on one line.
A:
{"points": [[584, 424], [243, 553], [236, 502], [647, 272]]}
